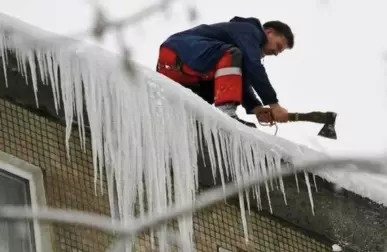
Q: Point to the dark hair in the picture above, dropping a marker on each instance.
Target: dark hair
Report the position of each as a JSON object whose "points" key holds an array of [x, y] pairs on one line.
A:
{"points": [[282, 29]]}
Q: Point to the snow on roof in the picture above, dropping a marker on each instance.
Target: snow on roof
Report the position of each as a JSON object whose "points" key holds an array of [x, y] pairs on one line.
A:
{"points": [[141, 127]]}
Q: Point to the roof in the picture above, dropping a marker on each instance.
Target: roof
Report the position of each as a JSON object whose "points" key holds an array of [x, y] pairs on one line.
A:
{"points": [[152, 113]]}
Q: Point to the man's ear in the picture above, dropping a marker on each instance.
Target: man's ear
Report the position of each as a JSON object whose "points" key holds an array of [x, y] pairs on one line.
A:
{"points": [[269, 30]]}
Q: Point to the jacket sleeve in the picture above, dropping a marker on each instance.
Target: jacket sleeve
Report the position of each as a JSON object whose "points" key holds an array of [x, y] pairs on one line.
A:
{"points": [[248, 39], [250, 100]]}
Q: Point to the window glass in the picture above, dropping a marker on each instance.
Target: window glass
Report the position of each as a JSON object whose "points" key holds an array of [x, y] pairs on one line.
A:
{"points": [[15, 236]]}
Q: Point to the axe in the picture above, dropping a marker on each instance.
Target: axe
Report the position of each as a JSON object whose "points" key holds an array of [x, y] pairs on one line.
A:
{"points": [[326, 118]]}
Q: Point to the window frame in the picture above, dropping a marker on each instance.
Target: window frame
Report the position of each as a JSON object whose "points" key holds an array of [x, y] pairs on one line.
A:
{"points": [[37, 194]]}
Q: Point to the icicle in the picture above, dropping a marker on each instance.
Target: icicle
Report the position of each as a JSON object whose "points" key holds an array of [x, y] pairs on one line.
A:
{"points": [[309, 191], [259, 201], [238, 175], [257, 170], [227, 153], [315, 182], [208, 135], [220, 159], [193, 134], [4, 53], [41, 66], [297, 184], [271, 167], [248, 169], [32, 65], [19, 60], [277, 165], [201, 143], [264, 173]]}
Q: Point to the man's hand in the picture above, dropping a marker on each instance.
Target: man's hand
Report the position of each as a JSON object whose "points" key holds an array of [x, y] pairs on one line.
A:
{"points": [[279, 113], [263, 114]]}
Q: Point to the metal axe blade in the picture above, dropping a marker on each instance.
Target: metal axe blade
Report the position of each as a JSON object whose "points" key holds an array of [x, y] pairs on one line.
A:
{"points": [[328, 130], [326, 118]]}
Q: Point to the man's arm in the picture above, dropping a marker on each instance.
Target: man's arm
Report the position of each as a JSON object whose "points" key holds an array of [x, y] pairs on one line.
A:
{"points": [[257, 75], [253, 105], [249, 99], [248, 39]]}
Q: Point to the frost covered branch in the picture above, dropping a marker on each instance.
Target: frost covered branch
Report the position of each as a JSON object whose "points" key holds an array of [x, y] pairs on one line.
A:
{"points": [[211, 196], [102, 25]]}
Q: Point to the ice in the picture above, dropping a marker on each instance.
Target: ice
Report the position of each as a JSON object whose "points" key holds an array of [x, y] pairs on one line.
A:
{"points": [[336, 248], [141, 127]]}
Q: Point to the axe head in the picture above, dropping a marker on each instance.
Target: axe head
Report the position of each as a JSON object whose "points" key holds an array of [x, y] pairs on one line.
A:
{"points": [[328, 130]]}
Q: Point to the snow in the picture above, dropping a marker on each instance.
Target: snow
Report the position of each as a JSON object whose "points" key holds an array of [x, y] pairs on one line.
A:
{"points": [[367, 185], [336, 248], [142, 126]]}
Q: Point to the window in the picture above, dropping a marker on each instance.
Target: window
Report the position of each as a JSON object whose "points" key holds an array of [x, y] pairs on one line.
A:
{"points": [[14, 190], [22, 184]]}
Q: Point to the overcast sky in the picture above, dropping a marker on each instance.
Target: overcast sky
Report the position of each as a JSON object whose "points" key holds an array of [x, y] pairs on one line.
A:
{"points": [[338, 62]]}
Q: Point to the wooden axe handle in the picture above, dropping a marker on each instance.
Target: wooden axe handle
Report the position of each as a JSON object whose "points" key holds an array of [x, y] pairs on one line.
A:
{"points": [[316, 117]]}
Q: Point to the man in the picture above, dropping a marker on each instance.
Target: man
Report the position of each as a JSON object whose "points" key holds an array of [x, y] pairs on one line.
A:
{"points": [[222, 63]]}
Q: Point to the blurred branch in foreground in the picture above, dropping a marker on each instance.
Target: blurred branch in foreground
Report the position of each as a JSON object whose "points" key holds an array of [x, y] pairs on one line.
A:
{"points": [[206, 199], [102, 25]]}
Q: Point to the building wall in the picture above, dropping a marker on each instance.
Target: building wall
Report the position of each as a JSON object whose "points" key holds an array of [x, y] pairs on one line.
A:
{"points": [[69, 184], [221, 226]]}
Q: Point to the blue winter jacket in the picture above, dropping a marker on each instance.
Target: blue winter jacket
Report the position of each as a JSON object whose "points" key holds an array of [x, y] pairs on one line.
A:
{"points": [[202, 46]]}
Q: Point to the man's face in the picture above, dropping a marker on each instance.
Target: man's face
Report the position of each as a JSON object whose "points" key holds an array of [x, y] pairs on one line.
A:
{"points": [[275, 44]]}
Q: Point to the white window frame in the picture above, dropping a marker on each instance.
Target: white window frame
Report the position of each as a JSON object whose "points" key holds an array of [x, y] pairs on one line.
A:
{"points": [[34, 175]]}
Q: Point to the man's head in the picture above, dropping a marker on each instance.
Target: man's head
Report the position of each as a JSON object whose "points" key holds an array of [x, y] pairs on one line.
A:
{"points": [[279, 38]]}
